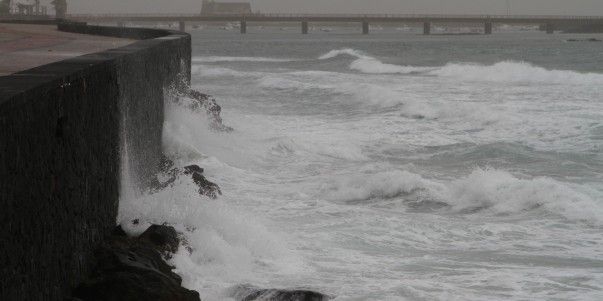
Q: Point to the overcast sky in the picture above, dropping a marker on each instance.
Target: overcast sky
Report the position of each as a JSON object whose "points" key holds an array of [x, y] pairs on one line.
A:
{"points": [[548, 7]]}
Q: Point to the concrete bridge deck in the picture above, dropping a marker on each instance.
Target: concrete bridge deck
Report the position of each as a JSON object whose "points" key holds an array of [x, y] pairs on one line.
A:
{"points": [[507, 19], [25, 46], [549, 23]]}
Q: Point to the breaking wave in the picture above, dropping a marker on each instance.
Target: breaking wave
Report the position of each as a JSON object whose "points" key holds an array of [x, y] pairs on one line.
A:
{"points": [[505, 71], [484, 190], [512, 71], [368, 64]]}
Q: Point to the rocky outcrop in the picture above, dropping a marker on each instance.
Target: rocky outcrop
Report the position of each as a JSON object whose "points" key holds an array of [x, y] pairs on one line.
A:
{"points": [[198, 101], [170, 174], [165, 239], [206, 187], [211, 107], [132, 269], [250, 293]]}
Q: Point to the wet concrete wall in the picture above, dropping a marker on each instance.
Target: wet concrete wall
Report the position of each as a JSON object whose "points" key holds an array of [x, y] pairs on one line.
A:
{"points": [[63, 130]]}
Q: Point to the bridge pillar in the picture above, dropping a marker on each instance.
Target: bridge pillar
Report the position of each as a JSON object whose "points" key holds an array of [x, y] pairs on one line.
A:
{"points": [[243, 27], [488, 28], [182, 26], [550, 28], [427, 28], [304, 27], [365, 27]]}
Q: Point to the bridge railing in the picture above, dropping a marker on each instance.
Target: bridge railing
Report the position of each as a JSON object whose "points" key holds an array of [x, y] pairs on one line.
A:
{"points": [[335, 16]]}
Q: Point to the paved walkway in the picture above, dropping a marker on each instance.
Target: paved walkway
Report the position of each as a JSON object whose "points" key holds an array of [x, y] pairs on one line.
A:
{"points": [[24, 46]]}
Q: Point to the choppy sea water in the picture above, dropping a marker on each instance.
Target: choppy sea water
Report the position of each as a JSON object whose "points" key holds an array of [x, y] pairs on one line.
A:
{"points": [[392, 166]]}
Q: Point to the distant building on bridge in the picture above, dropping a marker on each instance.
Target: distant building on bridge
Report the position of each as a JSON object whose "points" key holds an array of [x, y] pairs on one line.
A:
{"points": [[211, 7], [22, 8]]}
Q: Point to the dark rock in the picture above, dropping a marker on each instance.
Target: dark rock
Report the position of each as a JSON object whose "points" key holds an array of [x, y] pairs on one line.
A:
{"points": [[164, 238], [192, 169], [211, 107], [279, 295], [248, 293], [132, 269], [584, 40], [119, 231], [206, 187]]}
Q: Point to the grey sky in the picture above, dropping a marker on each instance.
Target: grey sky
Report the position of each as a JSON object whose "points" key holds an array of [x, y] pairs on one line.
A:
{"points": [[570, 7]]}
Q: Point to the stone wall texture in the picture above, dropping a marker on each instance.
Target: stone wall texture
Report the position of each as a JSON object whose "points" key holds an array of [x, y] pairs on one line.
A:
{"points": [[64, 128]]}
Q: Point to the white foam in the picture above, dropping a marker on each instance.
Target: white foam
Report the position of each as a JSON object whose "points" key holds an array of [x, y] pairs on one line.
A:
{"points": [[501, 192], [388, 184], [516, 72], [226, 243], [229, 245], [487, 191], [505, 71], [287, 143], [346, 51]]}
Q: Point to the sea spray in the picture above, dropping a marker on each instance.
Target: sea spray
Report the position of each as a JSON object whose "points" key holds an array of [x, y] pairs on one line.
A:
{"points": [[371, 184], [221, 244]]}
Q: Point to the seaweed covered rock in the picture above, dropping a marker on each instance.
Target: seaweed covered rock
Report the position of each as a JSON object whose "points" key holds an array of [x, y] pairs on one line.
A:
{"points": [[133, 269]]}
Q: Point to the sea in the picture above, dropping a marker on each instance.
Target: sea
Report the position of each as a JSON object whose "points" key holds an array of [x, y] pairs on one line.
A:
{"points": [[389, 166]]}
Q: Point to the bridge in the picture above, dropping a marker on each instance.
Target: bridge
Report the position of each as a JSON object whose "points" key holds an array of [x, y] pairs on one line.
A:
{"points": [[549, 23]]}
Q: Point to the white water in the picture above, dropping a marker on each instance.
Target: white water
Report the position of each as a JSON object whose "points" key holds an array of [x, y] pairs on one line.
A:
{"points": [[380, 181]]}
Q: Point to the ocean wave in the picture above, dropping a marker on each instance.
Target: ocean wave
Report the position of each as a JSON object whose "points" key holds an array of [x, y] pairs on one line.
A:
{"points": [[282, 83], [213, 71], [383, 185], [217, 59], [517, 72], [368, 64], [484, 191], [226, 243], [346, 51], [505, 71]]}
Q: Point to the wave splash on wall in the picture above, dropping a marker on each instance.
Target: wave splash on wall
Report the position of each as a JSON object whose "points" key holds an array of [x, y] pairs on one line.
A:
{"points": [[220, 244]]}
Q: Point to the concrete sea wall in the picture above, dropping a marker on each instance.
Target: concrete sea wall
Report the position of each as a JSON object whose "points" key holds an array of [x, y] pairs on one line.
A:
{"points": [[63, 130]]}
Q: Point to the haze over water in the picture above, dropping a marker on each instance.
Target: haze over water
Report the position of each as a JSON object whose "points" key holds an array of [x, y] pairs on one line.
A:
{"points": [[392, 166]]}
